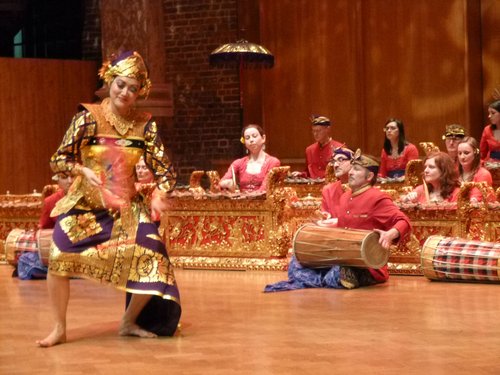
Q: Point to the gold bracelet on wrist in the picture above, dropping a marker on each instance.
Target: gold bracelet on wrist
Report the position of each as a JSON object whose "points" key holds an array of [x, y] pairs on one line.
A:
{"points": [[160, 193], [77, 170]]}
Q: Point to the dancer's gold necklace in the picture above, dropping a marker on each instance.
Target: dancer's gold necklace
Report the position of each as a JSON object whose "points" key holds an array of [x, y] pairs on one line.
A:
{"points": [[121, 124]]}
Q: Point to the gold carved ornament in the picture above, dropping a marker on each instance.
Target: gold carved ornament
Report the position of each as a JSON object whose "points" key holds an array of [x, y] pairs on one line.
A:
{"points": [[471, 212]]}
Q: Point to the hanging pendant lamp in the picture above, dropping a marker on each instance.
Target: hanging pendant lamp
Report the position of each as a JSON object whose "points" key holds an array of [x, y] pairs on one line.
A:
{"points": [[243, 53]]}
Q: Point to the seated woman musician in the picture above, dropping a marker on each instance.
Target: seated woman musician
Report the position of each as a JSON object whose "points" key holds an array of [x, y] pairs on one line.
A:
{"points": [[490, 139], [470, 169], [441, 182], [249, 173], [397, 152], [142, 172]]}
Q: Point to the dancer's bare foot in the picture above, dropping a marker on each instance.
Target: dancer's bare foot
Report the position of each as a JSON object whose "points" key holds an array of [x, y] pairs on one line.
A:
{"points": [[57, 336], [134, 330]]}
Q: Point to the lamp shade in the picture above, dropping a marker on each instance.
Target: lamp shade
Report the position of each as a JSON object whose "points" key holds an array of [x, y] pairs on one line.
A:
{"points": [[242, 52]]}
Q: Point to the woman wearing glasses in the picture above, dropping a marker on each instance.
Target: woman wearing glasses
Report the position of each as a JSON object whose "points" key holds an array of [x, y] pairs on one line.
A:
{"points": [[397, 152]]}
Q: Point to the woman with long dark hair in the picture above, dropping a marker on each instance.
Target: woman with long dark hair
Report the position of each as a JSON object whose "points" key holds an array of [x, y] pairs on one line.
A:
{"points": [[490, 139], [397, 151]]}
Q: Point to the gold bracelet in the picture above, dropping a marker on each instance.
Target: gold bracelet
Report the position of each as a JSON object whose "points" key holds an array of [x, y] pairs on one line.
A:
{"points": [[160, 193], [77, 170]]}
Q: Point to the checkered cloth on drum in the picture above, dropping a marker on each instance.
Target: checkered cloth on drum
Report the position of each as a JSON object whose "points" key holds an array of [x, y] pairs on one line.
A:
{"points": [[460, 259], [27, 241]]}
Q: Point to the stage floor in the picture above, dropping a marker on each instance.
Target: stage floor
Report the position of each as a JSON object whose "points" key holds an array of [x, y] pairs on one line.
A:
{"points": [[229, 326]]}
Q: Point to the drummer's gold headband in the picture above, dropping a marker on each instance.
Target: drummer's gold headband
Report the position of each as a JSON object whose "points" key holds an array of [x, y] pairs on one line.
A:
{"points": [[366, 161], [320, 120]]}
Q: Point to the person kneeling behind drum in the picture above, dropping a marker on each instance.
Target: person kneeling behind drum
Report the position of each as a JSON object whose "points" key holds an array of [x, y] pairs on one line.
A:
{"points": [[363, 207], [30, 264]]}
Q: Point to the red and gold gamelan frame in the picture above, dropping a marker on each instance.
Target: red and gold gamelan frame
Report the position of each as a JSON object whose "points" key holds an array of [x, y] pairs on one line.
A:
{"points": [[18, 211], [474, 221], [211, 230], [232, 231]]}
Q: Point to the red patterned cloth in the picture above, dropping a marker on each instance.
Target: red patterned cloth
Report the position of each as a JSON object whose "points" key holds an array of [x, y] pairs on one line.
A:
{"points": [[458, 259], [26, 241]]}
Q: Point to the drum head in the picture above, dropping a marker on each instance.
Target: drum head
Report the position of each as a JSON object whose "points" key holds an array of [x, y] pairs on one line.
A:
{"points": [[374, 254]]}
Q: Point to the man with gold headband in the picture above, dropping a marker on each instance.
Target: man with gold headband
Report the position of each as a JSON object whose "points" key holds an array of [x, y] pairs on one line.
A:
{"points": [[104, 229], [361, 207], [452, 136], [319, 153], [366, 207]]}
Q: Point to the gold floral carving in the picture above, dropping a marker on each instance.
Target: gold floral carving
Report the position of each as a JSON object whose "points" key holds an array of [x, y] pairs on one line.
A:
{"points": [[413, 172], [276, 177], [474, 213], [214, 178], [428, 147], [231, 263], [330, 173], [195, 183]]}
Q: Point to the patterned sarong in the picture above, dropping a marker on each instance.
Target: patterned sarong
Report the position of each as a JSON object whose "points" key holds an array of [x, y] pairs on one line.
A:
{"points": [[123, 249]]}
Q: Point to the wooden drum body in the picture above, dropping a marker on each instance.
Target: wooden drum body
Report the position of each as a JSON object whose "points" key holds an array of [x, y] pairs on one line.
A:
{"points": [[44, 241], [456, 259], [318, 247]]}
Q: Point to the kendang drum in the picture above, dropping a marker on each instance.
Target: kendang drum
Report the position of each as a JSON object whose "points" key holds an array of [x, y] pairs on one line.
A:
{"points": [[318, 247], [44, 241], [456, 259], [19, 240]]}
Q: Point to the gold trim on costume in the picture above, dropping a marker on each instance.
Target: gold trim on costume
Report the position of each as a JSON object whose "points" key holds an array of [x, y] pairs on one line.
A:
{"points": [[80, 227], [361, 190]]}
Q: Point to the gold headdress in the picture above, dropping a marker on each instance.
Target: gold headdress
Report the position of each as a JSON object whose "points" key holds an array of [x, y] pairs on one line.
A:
{"points": [[454, 130], [128, 64], [320, 120], [367, 161]]}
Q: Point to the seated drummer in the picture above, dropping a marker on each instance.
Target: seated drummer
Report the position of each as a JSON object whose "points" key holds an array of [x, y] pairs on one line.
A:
{"points": [[29, 265], [362, 207], [249, 173]]}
